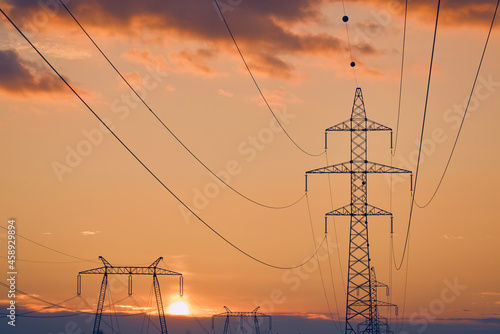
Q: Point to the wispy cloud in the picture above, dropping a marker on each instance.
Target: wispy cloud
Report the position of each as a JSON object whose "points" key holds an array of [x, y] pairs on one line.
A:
{"points": [[222, 92], [453, 237], [278, 97], [195, 61], [490, 293], [87, 233], [22, 77]]}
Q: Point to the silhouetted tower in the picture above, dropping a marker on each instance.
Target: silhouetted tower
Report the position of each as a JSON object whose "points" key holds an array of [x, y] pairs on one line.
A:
{"points": [[380, 324], [361, 306], [253, 314], [108, 269]]}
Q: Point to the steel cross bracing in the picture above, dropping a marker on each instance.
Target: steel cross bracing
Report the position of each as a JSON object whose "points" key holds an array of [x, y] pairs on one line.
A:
{"points": [[253, 314], [361, 305], [108, 269], [380, 325]]}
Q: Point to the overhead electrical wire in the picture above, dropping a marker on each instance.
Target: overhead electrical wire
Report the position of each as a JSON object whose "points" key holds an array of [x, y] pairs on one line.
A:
{"points": [[257, 85], [147, 168], [398, 267], [47, 247], [465, 112], [353, 63], [401, 80], [405, 290], [167, 128], [47, 262], [52, 305], [338, 252], [335, 227], [337, 326]]}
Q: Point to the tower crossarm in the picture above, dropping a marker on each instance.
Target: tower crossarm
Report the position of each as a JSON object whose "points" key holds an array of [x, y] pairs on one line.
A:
{"points": [[357, 125], [386, 304], [129, 271], [358, 167], [240, 314], [230, 313], [253, 314], [354, 210]]}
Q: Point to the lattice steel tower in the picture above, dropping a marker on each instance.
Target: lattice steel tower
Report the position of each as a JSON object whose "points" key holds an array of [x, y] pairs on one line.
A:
{"points": [[361, 310], [108, 269]]}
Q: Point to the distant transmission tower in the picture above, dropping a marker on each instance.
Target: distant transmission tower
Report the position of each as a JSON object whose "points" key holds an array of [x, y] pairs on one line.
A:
{"points": [[253, 314], [108, 269], [362, 304]]}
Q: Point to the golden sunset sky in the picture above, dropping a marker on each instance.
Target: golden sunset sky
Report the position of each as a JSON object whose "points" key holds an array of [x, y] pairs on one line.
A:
{"points": [[72, 187]]}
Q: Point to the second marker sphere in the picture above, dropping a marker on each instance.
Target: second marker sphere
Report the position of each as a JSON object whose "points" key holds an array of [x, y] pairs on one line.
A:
{"points": [[345, 18]]}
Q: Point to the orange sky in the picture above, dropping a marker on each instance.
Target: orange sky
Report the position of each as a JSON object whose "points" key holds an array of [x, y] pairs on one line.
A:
{"points": [[72, 187]]}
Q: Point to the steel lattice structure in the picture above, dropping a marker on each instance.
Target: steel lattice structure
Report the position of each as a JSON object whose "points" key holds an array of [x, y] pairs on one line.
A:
{"points": [[361, 297], [108, 269], [253, 314], [380, 323]]}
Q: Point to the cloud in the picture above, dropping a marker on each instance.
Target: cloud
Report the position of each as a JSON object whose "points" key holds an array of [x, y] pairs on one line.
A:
{"points": [[268, 32], [279, 97], [63, 51], [145, 57], [453, 237], [492, 321], [222, 92], [133, 78], [87, 233], [21, 77], [271, 66], [490, 293], [191, 61], [195, 61], [265, 30], [461, 13]]}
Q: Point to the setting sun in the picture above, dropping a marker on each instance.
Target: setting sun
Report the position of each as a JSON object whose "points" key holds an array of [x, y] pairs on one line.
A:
{"points": [[178, 308]]}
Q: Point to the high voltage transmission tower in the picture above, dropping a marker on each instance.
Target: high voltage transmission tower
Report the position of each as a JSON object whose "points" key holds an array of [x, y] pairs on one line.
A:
{"points": [[362, 304], [253, 314], [379, 321], [108, 269]]}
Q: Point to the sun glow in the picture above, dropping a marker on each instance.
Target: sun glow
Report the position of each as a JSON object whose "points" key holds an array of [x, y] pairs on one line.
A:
{"points": [[178, 308]]}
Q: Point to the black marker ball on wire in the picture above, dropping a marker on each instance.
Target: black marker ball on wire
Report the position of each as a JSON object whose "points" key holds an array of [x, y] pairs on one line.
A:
{"points": [[345, 18], [353, 64]]}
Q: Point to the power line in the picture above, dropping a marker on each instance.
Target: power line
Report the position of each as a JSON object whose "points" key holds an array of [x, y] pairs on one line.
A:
{"points": [[338, 250], [47, 262], [321, 272], [401, 79], [465, 113], [345, 19], [58, 305], [167, 128], [421, 138], [144, 165], [335, 228], [257, 85], [47, 247]]}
